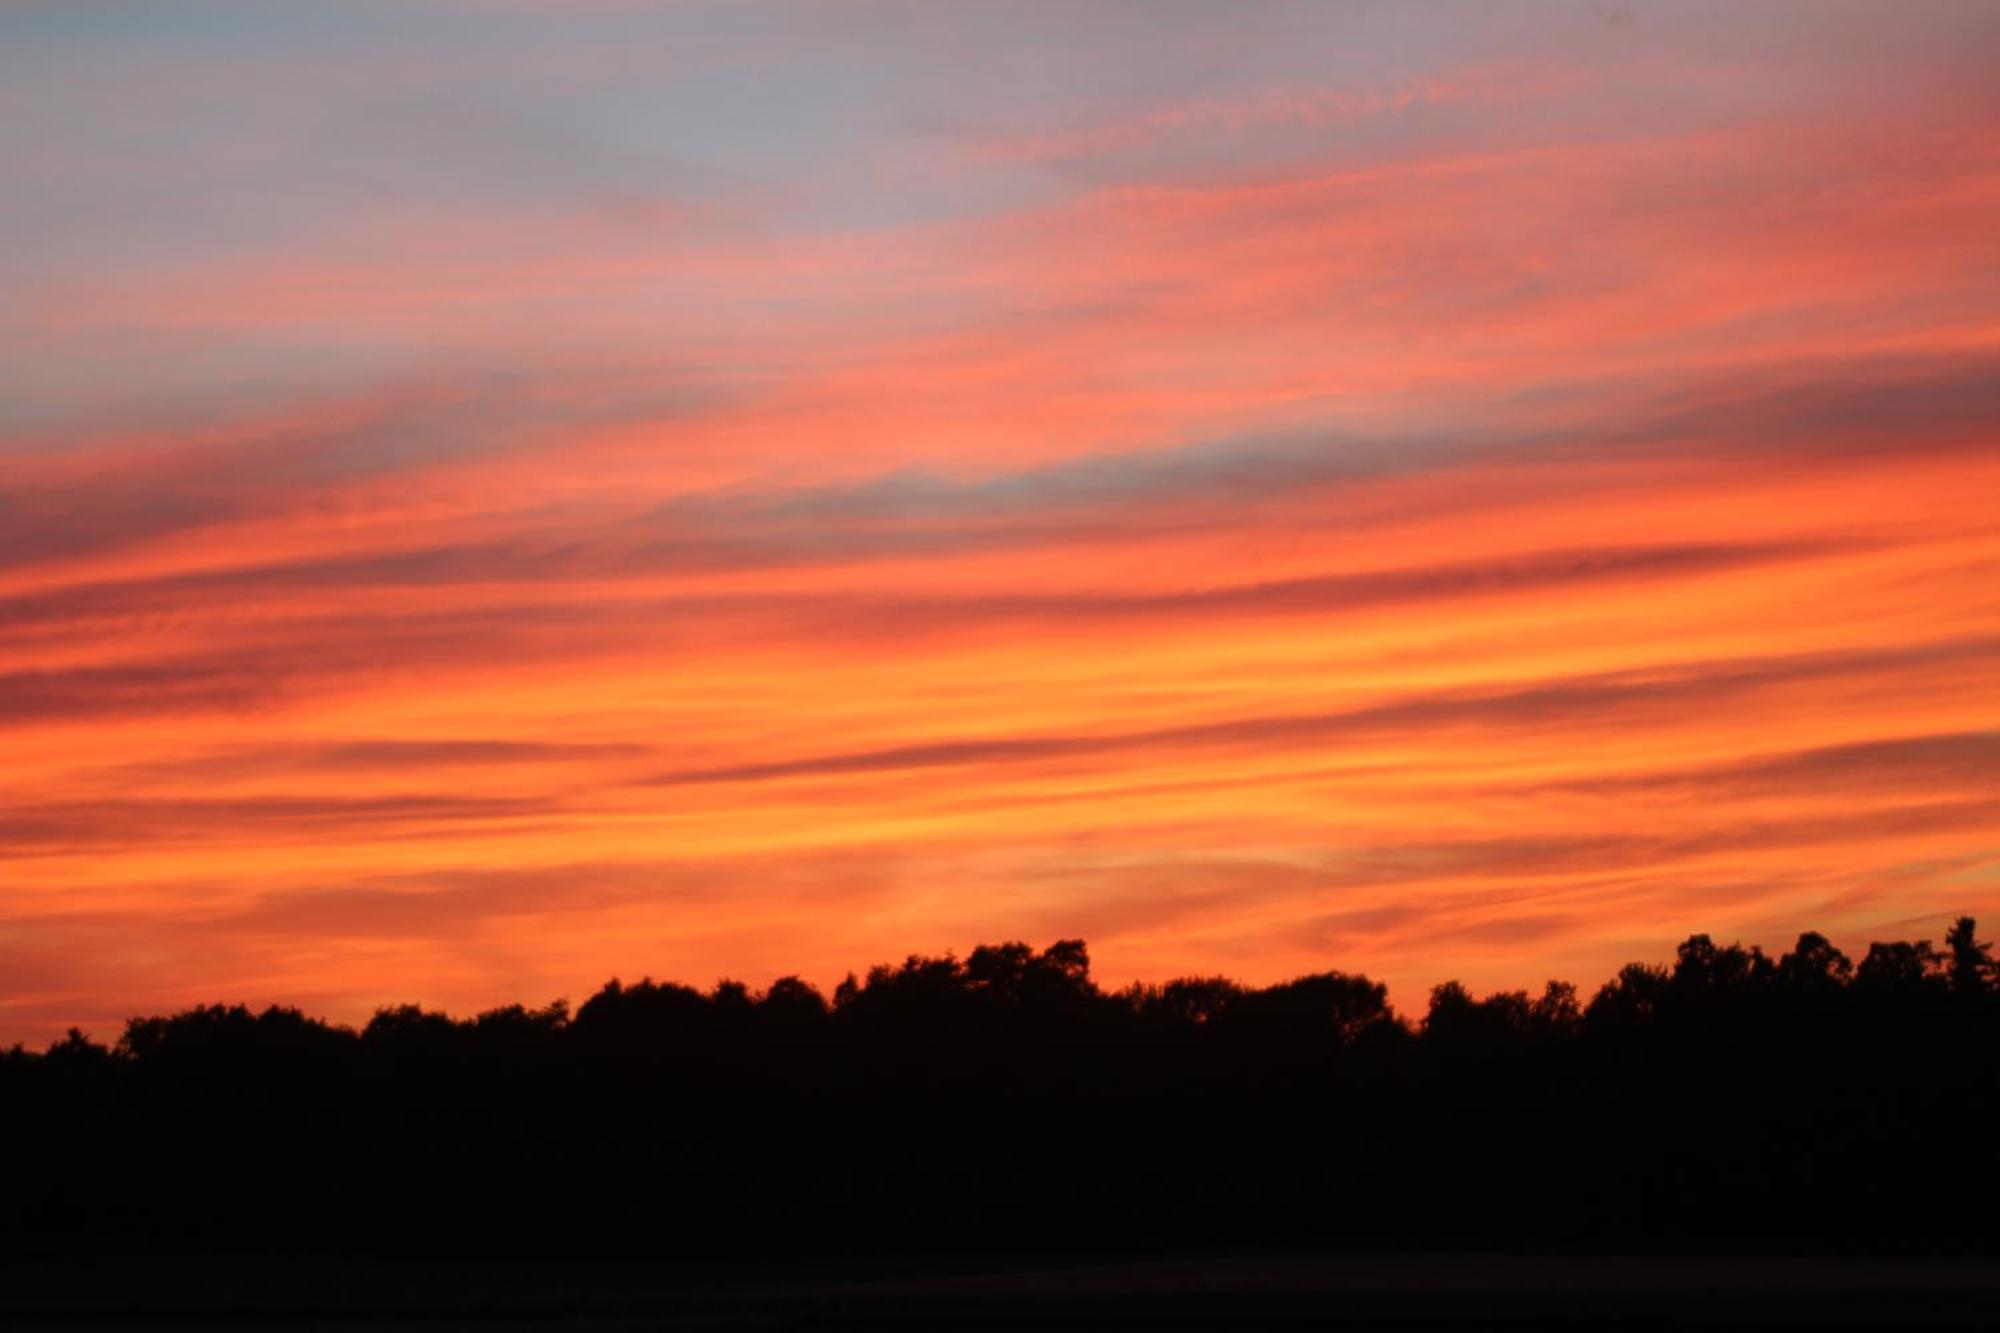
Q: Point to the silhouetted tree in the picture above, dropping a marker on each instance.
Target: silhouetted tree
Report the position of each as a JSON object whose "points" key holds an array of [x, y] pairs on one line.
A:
{"points": [[1970, 966], [1555, 1013], [793, 1005], [1814, 966], [73, 1052], [1630, 1000], [1190, 1001], [1324, 1008], [1899, 967], [1730, 1099]]}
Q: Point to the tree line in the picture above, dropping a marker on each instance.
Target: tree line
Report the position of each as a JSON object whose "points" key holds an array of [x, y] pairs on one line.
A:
{"points": [[1728, 1099]]}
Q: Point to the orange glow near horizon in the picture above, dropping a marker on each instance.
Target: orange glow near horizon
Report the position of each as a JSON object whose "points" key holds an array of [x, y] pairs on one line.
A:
{"points": [[1488, 517]]}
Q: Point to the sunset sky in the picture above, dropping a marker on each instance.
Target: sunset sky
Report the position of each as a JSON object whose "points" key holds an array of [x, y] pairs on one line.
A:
{"points": [[499, 495]]}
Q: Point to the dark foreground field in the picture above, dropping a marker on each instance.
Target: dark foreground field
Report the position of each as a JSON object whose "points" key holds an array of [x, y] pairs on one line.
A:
{"points": [[997, 1142], [1354, 1292]]}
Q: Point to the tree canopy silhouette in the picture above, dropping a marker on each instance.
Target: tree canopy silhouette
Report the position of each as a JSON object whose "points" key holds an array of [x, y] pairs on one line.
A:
{"points": [[1004, 1097]]}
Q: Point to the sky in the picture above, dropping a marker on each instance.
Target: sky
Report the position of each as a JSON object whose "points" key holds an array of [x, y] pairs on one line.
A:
{"points": [[495, 496]]}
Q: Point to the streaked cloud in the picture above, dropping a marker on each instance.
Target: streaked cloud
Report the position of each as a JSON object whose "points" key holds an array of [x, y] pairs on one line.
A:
{"points": [[498, 494]]}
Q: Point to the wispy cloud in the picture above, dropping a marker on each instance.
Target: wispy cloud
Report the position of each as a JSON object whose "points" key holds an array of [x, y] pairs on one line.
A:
{"points": [[493, 495]]}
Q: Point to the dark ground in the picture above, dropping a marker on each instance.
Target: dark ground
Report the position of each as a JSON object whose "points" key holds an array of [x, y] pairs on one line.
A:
{"points": [[1351, 1292], [1732, 1141]]}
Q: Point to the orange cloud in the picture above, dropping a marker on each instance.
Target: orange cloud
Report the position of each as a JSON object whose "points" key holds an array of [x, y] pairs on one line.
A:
{"points": [[1455, 534]]}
